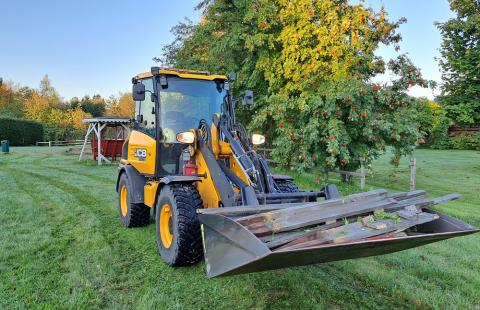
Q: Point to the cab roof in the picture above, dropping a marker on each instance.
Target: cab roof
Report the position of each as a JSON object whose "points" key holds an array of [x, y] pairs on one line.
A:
{"points": [[185, 74]]}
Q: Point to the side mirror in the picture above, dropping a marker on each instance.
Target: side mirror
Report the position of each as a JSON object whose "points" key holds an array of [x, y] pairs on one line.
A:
{"points": [[248, 98], [138, 92]]}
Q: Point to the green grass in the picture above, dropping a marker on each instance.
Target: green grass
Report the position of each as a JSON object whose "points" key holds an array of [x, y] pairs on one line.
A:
{"points": [[62, 246]]}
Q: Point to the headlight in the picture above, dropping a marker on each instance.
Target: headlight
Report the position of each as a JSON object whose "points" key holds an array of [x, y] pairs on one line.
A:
{"points": [[258, 139], [186, 137]]}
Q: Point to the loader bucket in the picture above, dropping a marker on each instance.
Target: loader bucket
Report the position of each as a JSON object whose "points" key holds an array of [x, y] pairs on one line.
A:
{"points": [[232, 249]]}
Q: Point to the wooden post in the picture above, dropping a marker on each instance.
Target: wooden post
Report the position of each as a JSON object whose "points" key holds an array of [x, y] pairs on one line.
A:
{"points": [[90, 128], [413, 173], [362, 177], [99, 143]]}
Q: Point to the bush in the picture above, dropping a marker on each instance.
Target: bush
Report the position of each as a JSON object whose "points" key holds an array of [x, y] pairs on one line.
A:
{"points": [[466, 142], [433, 124], [443, 142], [20, 131]]}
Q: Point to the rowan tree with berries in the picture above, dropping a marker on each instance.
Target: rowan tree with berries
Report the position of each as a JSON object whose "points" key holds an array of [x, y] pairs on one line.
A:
{"points": [[310, 65]]}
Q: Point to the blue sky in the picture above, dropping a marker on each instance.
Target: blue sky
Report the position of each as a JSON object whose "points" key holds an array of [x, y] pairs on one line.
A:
{"points": [[90, 47]]}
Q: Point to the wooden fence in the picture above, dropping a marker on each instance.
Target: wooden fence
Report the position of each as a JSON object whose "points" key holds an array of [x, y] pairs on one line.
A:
{"points": [[59, 143], [456, 130], [361, 174]]}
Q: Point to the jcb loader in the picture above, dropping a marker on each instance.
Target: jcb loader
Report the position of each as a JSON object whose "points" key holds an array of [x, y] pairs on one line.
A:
{"points": [[191, 164]]}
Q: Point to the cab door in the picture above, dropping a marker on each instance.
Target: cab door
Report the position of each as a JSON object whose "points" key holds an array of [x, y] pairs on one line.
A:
{"points": [[142, 147]]}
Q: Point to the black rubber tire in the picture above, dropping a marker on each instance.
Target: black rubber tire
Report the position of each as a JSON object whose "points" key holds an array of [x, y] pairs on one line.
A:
{"points": [[287, 186], [137, 214], [186, 247]]}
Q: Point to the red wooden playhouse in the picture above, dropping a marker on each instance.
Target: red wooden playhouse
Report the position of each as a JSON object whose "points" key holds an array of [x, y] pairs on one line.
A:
{"points": [[109, 133]]}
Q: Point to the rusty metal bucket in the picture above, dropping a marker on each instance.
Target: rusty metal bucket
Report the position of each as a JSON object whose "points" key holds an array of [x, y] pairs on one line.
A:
{"points": [[232, 249]]}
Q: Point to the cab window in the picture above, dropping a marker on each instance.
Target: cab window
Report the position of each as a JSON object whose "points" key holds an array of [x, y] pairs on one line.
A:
{"points": [[146, 109], [186, 102]]}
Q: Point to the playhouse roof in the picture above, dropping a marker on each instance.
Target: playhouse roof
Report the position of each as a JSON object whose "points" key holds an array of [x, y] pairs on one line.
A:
{"points": [[108, 120]]}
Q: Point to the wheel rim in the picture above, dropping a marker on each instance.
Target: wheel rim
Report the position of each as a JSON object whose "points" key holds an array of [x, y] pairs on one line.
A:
{"points": [[166, 225], [124, 200]]}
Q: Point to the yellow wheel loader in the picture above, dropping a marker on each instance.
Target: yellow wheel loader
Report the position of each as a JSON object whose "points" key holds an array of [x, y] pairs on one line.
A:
{"points": [[191, 164]]}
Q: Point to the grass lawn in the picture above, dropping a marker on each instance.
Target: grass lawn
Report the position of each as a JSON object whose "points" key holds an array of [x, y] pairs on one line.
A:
{"points": [[62, 246]]}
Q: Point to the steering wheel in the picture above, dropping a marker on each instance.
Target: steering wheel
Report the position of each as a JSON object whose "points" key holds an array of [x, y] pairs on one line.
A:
{"points": [[204, 130]]}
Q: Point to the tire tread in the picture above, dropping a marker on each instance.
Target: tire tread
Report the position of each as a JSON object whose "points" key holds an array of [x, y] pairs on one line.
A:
{"points": [[287, 186], [189, 238]]}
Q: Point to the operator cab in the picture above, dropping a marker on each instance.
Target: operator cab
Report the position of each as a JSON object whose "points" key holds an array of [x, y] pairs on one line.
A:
{"points": [[169, 102]]}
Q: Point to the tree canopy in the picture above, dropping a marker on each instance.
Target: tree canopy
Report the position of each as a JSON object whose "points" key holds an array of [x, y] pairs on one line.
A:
{"points": [[460, 62], [96, 105], [310, 64]]}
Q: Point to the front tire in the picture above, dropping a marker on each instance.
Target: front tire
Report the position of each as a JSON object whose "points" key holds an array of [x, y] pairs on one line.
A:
{"points": [[179, 238], [131, 214]]}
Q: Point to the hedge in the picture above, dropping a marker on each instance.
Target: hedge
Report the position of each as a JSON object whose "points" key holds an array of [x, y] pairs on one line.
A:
{"points": [[466, 141], [20, 131]]}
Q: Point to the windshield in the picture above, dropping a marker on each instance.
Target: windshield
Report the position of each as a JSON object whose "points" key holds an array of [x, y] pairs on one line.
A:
{"points": [[187, 101]]}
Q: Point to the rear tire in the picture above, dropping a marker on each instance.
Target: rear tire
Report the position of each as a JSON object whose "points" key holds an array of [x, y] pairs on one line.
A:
{"points": [[131, 214], [287, 186], [179, 238]]}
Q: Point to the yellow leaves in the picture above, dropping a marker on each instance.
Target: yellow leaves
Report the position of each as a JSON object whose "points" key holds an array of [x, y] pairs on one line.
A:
{"points": [[263, 25], [124, 106], [218, 34], [37, 107], [433, 105], [47, 110], [77, 116], [318, 39]]}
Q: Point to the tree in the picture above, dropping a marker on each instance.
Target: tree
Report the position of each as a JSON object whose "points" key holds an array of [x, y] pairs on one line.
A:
{"points": [[47, 90], [460, 62], [60, 120], [309, 64], [74, 103], [96, 106], [122, 106], [433, 123], [11, 100]]}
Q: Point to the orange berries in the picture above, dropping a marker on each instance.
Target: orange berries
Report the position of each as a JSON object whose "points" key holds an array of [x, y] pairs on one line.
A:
{"points": [[376, 87]]}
